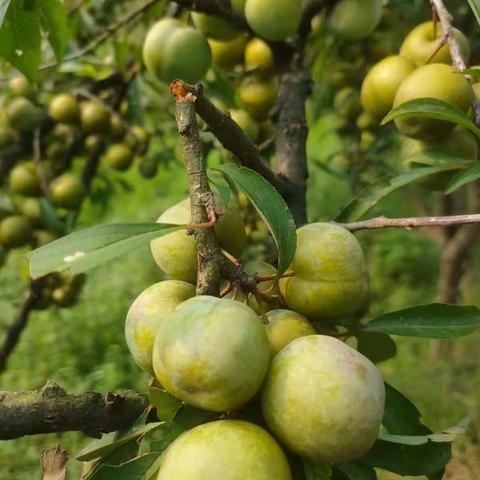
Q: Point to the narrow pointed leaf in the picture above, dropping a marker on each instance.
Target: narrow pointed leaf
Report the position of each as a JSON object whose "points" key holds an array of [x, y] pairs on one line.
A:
{"points": [[433, 108], [53, 16], [86, 249], [270, 206], [475, 6], [462, 178]]}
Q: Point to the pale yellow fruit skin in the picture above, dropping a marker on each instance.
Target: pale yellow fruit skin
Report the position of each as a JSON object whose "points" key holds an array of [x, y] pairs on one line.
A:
{"points": [[146, 314], [323, 400], [225, 450], [212, 353], [94, 118], [64, 108], [214, 27], [228, 54], [355, 19], [274, 19], [284, 326], [330, 276], [435, 80], [258, 97], [258, 56], [176, 253], [421, 43], [381, 84]]}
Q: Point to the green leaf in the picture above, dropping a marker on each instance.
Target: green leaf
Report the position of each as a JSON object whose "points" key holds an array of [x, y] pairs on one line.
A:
{"points": [[433, 108], [20, 41], [271, 207], [86, 249], [462, 178], [108, 443], [428, 321], [135, 468], [424, 459], [317, 471], [50, 218], [475, 6], [378, 347], [166, 405], [401, 416], [53, 17], [370, 196], [4, 4], [353, 471]]}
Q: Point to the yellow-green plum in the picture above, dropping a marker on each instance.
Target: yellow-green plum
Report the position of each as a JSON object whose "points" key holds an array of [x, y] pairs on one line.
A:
{"points": [[15, 231], [284, 326], [246, 122], [214, 27], [119, 156], [67, 191], [381, 84], [95, 119], [225, 450], [212, 353], [274, 19], [355, 19], [24, 179], [422, 45], [259, 56], [172, 50], [330, 276], [347, 102], [228, 54], [176, 253], [438, 81], [23, 115], [258, 96], [238, 6], [323, 400], [64, 108], [30, 207], [20, 86], [7, 136], [147, 313]]}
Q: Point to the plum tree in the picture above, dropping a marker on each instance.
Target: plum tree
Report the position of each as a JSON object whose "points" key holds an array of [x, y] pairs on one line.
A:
{"points": [[423, 45], [381, 84], [284, 326], [24, 179], [438, 81], [15, 231], [176, 253], [211, 353], [172, 51], [274, 19], [67, 191], [146, 314], [95, 119], [227, 450], [330, 276], [323, 400], [214, 27], [64, 108], [119, 157], [355, 19]]}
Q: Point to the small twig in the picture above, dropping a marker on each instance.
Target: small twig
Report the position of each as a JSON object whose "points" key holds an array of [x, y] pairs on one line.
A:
{"points": [[412, 222], [269, 278], [37, 158]]}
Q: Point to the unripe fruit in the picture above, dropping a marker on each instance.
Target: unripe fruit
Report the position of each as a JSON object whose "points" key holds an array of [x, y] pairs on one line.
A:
{"points": [[381, 84], [246, 122], [15, 231], [214, 27], [211, 353], [258, 97], [330, 276], [148, 167], [67, 191], [258, 56], [228, 54], [173, 51], [63, 297], [23, 115], [238, 6], [20, 86], [7, 136], [117, 128], [423, 41], [437, 81], [176, 253], [355, 19], [225, 450], [64, 108], [119, 157], [24, 180], [347, 103], [365, 121], [30, 207], [147, 313], [95, 118], [285, 326], [274, 19], [323, 400], [42, 237]]}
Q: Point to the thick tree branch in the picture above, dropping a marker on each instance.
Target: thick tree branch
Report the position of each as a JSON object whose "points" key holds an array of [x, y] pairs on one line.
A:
{"points": [[412, 222], [202, 200], [233, 138], [52, 410]]}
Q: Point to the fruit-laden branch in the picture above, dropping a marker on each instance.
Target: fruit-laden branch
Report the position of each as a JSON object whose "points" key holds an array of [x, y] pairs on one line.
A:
{"points": [[412, 222], [220, 8], [233, 138], [52, 410], [15, 329]]}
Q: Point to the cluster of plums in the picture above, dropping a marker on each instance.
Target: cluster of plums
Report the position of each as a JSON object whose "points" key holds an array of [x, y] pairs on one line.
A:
{"points": [[320, 398]]}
